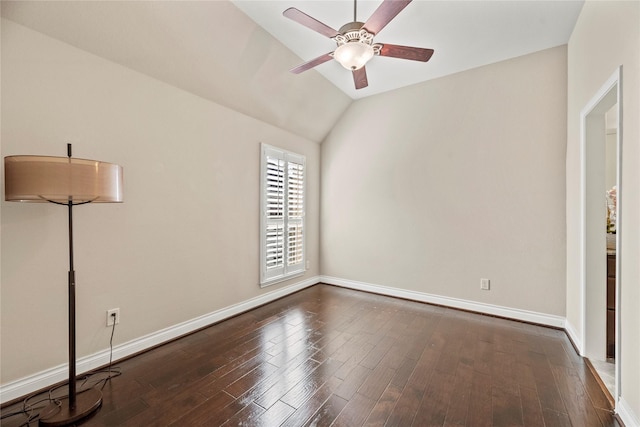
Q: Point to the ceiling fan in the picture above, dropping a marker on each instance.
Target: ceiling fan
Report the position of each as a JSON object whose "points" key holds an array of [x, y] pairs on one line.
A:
{"points": [[355, 40]]}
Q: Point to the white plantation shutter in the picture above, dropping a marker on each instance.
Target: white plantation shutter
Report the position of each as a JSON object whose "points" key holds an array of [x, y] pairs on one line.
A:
{"points": [[274, 246], [295, 189], [275, 187], [274, 212], [283, 210], [294, 244], [295, 213]]}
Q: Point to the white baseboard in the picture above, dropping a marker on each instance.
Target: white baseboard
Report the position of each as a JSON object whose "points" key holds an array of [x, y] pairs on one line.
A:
{"points": [[573, 335], [626, 414], [47, 378], [495, 310]]}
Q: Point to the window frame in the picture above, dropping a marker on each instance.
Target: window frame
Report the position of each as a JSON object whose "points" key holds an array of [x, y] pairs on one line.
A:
{"points": [[280, 272]]}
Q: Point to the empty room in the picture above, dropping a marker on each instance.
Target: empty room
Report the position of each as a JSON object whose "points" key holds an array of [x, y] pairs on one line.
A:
{"points": [[266, 213]]}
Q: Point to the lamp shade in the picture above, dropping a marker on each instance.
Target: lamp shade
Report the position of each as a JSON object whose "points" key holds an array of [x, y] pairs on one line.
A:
{"points": [[353, 55], [61, 180]]}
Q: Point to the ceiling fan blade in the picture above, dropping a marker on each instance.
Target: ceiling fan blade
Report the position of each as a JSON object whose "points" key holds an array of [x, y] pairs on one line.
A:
{"points": [[309, 22], [360, 78], [384, 14], [310, 64], [406, 52]]}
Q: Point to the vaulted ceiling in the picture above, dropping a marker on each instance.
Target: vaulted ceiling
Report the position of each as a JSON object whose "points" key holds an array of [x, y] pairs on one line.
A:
{"points": [[208, 48], [238, 53]]}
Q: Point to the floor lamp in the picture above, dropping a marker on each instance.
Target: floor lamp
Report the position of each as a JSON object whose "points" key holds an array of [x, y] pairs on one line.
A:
{"points": [[69, 182]]}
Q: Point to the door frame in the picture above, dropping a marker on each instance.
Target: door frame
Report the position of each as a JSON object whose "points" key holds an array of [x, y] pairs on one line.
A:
{"points": [[609, 94]]}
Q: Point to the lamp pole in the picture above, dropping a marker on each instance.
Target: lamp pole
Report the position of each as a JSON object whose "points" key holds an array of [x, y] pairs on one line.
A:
{"points": [[72, 308], [55, 415]]}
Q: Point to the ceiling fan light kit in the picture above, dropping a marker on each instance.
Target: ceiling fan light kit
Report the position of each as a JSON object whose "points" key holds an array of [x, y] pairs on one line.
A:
{"points": [[354, 41], [354, 55]]}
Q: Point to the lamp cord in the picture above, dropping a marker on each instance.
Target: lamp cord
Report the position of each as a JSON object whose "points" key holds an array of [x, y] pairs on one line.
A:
{"points": [[31, 409], [113, 329]]}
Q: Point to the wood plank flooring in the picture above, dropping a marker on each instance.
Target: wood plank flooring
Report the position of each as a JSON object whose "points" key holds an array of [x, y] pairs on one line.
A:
{"points": [[331, 356]]}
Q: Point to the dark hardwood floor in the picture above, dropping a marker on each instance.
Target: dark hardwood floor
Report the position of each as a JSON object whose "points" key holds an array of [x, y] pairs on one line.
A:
{"points": [[331, 356]]}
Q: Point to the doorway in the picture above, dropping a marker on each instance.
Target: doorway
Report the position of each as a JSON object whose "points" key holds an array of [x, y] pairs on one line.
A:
{"points": [[598, 118]]}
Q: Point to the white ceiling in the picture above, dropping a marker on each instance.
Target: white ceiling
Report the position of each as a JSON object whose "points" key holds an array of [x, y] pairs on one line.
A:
{"points": [[464, 35]]}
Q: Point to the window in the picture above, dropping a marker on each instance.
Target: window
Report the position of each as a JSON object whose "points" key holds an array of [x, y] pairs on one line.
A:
{"points": [[282, 235]]}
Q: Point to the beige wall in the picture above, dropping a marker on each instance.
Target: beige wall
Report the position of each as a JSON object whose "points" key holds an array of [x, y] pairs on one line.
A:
{"points": [[209, 48], [428, 188], [432, 187], [606, 36], [184, 243]]}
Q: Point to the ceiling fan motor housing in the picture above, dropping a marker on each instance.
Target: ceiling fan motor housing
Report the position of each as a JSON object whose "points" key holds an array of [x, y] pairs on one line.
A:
{"points": [[351, 26], [353, 32]]}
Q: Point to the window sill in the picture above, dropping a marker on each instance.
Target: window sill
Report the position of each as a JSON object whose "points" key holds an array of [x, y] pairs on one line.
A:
{"points": [[279, 279]]}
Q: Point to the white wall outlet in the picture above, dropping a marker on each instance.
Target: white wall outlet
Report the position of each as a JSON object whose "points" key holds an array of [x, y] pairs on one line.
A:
{"points": [[113, 316], [308, 264], [484, 284]]}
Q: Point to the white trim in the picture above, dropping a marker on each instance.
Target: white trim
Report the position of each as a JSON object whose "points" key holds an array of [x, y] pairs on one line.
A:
{"points": [[279, 279], [619, 237], [626, 414], [285, 271], [583, 231], [48, 377], [495, 310], [574, 336], [604, 90], [614, 81]]}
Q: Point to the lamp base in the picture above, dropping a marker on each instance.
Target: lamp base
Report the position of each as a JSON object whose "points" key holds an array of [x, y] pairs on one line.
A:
{"points": [[59, 414]]}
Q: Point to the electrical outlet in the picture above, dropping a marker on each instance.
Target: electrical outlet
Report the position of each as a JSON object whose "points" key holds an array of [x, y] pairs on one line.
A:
{"points": [[113, 316], [308, 264], [484, 284]]}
